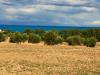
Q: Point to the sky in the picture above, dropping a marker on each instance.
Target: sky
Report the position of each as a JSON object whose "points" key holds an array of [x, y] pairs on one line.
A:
{"points": [[50, 12]]}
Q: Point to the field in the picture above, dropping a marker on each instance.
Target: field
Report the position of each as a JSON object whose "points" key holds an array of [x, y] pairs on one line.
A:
{"points": [[39, 59]]}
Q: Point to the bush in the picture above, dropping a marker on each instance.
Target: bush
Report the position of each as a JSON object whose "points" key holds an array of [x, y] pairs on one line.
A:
{"points": [[59, 40], [52, 38], [89, 33], [28, 31], [2, 37], [34, 38], [64, 34], [75, 40], [24, 37], [90, 42], [68, 33], [40, 32], [98, 37], [16, 38], [97, 34]]}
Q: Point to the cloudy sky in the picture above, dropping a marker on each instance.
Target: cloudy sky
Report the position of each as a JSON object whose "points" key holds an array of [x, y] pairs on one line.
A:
{"points": [[50, 12]]}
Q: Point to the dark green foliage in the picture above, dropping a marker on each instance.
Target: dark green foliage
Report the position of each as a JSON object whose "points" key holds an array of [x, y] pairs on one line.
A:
{"points": [[90, 42], [49, 38], [52, 38], [28, 31], [25, 37], [75, 40], [55, 31], [74, 33], [64, 34], [34, 38], [98, 37], [18, 37], [40, 32], [89, 33], [2, 37], [59, 40], [97, 34], [68, 33], [6, 32]]}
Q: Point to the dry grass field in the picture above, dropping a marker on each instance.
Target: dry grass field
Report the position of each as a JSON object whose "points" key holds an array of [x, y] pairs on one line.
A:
{"points": [[39, 59]]}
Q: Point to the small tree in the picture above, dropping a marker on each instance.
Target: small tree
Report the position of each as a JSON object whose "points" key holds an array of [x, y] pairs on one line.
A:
{"points": [[98, 37], [97, 34], [68, 33], [89, 33], [34, 38], [59, 40], [2, 37], [52, 38], [28, 31], [90, 42], [16, 38], [25, 37], [75, 40], [40, 32]]}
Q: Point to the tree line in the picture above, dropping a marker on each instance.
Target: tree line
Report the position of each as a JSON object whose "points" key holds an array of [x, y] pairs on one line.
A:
{"points": [[87, 37]]}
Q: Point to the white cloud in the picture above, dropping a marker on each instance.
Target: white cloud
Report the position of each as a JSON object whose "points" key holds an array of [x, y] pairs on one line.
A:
{"points": [[95, 22], [68, 12], [71, 1], [89, 9], [10, 10], [27, 10], [10, 17]]}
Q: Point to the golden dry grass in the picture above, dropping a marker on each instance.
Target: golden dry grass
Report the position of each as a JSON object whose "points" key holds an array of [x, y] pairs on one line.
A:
{"points": [[39, 59]]}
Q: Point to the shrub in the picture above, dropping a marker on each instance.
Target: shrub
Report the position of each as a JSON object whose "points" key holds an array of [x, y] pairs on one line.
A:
{"points": [[59, 40], [52, 38], [24, 37], [64, 34], [98, 37], [89, 33], [40, 32], [16, 38], [2, 37], [28, 31], [68, 33], [97, 34], [34, 38], [75, 40], [90, 42]]}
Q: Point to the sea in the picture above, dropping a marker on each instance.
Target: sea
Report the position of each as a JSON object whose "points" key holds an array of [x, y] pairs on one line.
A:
{"points": [[21, 28]]}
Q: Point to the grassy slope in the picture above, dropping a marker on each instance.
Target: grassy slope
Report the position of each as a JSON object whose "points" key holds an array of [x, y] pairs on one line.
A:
{"points": [[27, 59]]}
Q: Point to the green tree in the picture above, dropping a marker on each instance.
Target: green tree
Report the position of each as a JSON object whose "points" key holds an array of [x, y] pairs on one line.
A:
{"points": [[28, 31], [2, 37], [89, 33], [52, 38], [40, 32], [97, 34], [75, 40], [34, 38], [59, 40], [90, 42], [24, 37], [16, 38], [68, 33]]}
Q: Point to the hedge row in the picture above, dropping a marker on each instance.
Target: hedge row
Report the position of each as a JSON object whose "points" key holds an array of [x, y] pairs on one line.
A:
{"points": [[53, 37]]}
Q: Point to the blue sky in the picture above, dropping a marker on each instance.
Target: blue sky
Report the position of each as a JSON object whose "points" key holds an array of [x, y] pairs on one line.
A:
{"points": [[50, 12]]}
